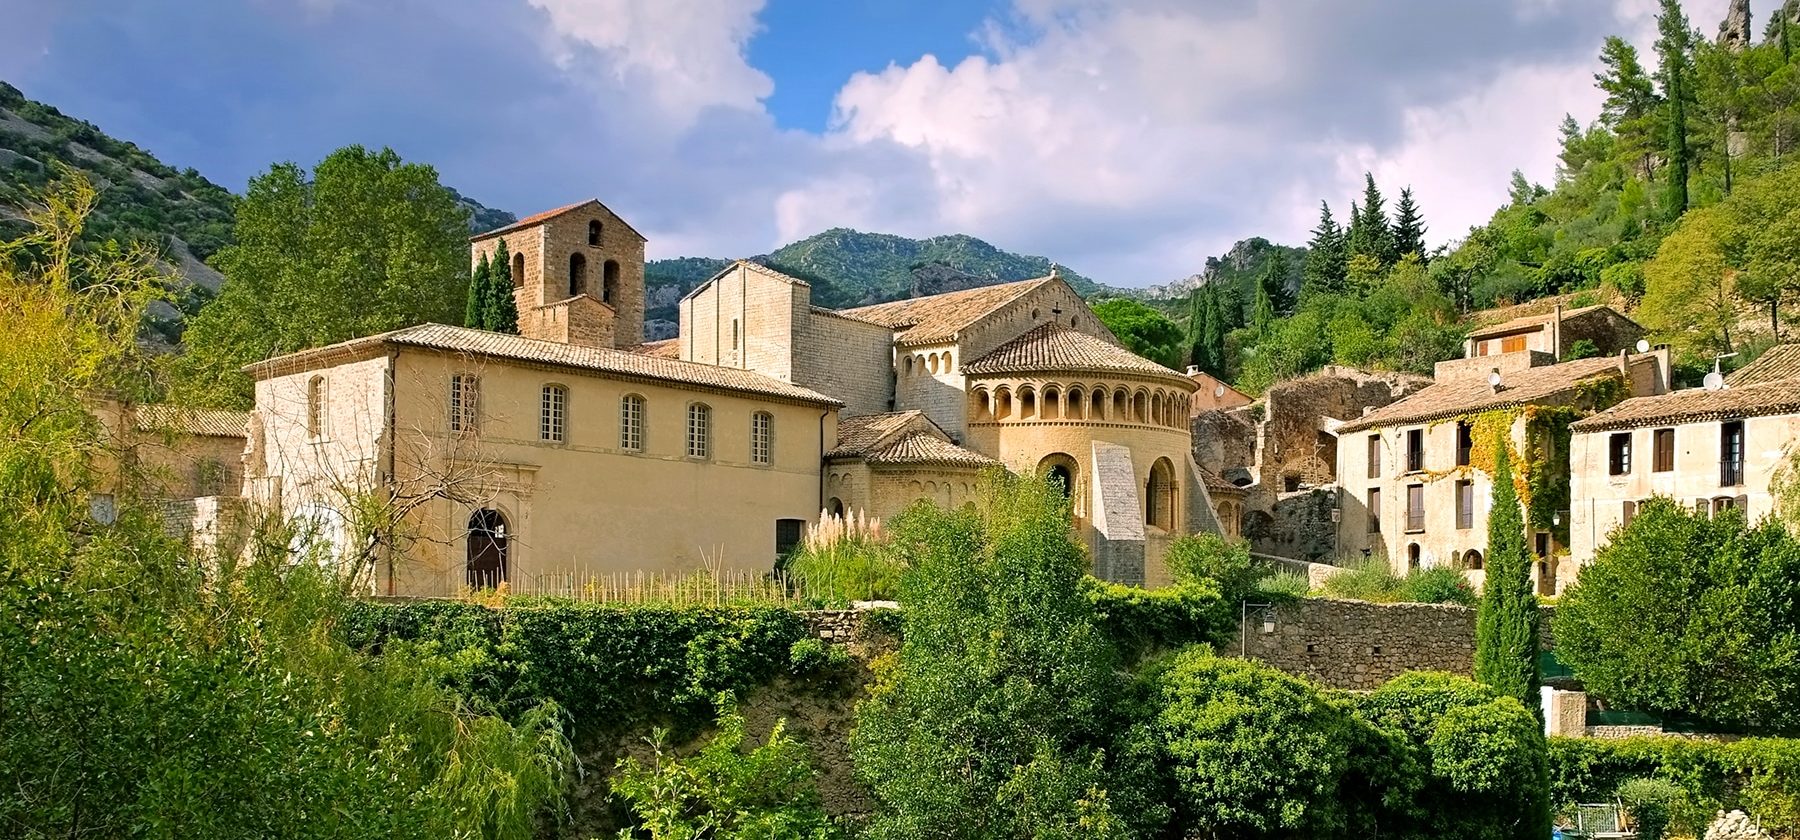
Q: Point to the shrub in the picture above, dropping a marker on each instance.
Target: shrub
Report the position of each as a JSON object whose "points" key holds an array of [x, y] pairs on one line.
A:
{"points": [[1438, 585], [1692, 615], [1369, 579], [1004, 713], [1651, 803], [1141, 621], [1506, 626], [1209, 557], [725, 792], [844, 559], [1760, 776], [1282, 587]]}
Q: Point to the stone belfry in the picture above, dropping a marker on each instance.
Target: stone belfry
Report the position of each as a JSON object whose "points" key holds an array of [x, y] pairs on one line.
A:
{"points": [[577, 273]]}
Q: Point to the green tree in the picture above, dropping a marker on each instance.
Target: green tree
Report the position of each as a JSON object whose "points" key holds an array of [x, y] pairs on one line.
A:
{"points": [[1690, 614], [1200, 315], [1274, 282], [502, 310], [1005, 714], [1409, 228], [1674, 49], [474, 308], [1214, 337], [1144, 330], [1506, 624], [1326, 256], [1262, 318], [1690, 290], [1631, 102], [367, 243], [1370, 233]]}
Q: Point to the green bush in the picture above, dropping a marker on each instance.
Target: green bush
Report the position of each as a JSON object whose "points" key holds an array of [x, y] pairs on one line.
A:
{"points": [[1760, 776], [1142, 621], [1209, 557], [1651, 804], [1373, 579], [724, 791], [812, 655], [849, 563], [1438, 585], [1282, 587]]}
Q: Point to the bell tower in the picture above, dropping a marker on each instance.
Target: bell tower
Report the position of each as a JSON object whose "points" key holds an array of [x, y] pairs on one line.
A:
{"points": [[577, 273]]}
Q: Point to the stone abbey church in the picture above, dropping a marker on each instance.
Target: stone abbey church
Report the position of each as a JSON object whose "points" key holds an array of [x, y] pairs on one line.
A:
{"points": [[576, 449]]}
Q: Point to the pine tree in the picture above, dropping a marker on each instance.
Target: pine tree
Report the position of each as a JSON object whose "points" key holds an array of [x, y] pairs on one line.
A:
{"points": [[1409, 227], [1631, 104], [1274, 283], [1324, 270], [1674, 48], [1506, 626], [475, 307], [502, 310], [1369, 231]]}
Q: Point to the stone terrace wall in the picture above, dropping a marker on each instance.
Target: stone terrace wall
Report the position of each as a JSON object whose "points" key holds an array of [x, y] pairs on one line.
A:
{"points": [[1360, 645]]}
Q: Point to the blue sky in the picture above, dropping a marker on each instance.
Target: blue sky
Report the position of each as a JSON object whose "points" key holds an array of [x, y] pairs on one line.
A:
{"points": [[1128, 139]]}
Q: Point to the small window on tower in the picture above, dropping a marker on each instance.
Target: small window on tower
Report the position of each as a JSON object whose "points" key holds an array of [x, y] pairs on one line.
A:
{"points": [[594, 233], [609, 281]]}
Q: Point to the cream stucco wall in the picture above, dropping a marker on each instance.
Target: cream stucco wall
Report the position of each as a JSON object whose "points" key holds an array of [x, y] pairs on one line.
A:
{"points": [[884, 492], [1599, 497]]}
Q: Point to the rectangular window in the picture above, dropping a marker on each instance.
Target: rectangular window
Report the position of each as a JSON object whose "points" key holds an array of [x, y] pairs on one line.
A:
{"points": [[788, 535], [1665, 450], [1375, 456], [1731, 454], [552, 414], [1465, 504], [1415, 450], [631, 423], [1618, 454], [734, 334], [315, 407], [465, 402], [699, 436], [762, 434], [1415, 507], [1374, 511], [1465, 442], [1512, 343], [1628, 513]]}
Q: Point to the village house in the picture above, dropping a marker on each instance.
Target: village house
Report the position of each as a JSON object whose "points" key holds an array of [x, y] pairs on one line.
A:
{"points": [[1557, 332], [1415, 481], [1713, 448], [575, 449]]}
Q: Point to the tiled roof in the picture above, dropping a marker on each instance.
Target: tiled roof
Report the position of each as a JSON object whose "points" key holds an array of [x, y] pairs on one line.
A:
{"points": [[600, 360], [1698, 405], [210, 422], [1529, 321], [540, 218], [861, 434], [1469, 394], [940, 317], [1054, 347], [1776, 363], [926, 449], [1217, 484], [668, 348]]}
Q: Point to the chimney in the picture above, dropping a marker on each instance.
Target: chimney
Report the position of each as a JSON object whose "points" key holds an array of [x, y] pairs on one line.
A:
{"points": [[1193, 370], [1556, 333]]}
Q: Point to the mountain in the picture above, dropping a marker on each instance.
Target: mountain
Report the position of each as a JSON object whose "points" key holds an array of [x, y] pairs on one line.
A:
{"points": [[482, 218], [851, 268], [1238, 267]]}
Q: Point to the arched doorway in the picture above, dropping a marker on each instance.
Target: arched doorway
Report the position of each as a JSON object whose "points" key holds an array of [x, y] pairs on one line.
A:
{"points": [[1412, 557], [1159, 495], [1472, 560], [1061, 470], [835, 507], [487, 566]]}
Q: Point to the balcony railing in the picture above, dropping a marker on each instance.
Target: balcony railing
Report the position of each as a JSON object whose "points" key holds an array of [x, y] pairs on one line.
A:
{"points": [[1731, 473]]}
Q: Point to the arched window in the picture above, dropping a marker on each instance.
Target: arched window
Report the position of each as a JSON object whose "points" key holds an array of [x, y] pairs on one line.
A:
{"points": [[1140, 408], [931, 362], [577, 274], [909, 366], [486, 558], [465, 402], [835, 506], [1472, 560], [1159, 495], [631, 423], [762, 437], [1156, 409], [1052, 403], [1413, 553], [1121, 405], [1061, 470], [1098, 411], [553, 407], [518, 270], [609, 282], [1077, 404], [594, 233], [1002, 404], [315, 406], [1027, 403], [699, 430]]}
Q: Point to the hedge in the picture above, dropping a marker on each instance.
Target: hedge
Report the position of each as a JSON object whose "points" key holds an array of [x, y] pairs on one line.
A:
{"points": [[610, 666], [1760, 776]]}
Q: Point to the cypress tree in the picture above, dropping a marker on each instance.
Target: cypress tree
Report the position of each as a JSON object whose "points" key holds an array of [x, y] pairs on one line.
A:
{"points": [[1506, 626], [1215, 333], [502, 310], [1409, 227], [1199, 323], [1262, 318], [1673, 48], [1326, 259], [1274, 283], [475, 307]]}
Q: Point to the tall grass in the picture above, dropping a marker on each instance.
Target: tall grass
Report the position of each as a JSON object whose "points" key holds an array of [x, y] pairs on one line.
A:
{"points": [[845, 559], [1373, 579]]}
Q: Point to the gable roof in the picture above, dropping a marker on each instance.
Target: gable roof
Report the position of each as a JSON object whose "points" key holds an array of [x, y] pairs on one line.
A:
{"points": [[1470, 394], [599, 360], [924, 449], [1775, 364], [1054, 347], [1697, 405], [536, 219], [205, 422], [1529, 321], [935, 318], [864, 433]]}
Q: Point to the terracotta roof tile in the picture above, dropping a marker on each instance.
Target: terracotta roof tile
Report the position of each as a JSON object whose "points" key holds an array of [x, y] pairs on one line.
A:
{"points": [[1698, 405], [940, 317], [925, 449], [208, 422], [1217, 483], [1470, 394], [857, 436], [1054, 347], [600, 360], [1776, 363], [668, 348]]}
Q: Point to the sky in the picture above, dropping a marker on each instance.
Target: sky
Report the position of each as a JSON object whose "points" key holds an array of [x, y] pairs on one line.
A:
{"points": [[1126, 139]]}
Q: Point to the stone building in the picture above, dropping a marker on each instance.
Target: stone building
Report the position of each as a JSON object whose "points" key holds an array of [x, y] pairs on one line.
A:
{"points": [[1713, 449], [189, 460], [1556, 332], [577, 449], [1213, 393], [1415, 485]]}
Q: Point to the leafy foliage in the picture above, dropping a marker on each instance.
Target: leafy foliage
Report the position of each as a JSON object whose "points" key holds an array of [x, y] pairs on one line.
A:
{"points": [[1144, 330], [1758, 775], [1374, 580], [1225, 562], [366, 244], [1692, 615], [1506, 627]]}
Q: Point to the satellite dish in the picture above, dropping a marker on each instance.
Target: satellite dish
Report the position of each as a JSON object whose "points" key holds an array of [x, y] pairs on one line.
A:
{"points": [[1643, 346], [1494, 378], [1219, 391], [1714, 381]]}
